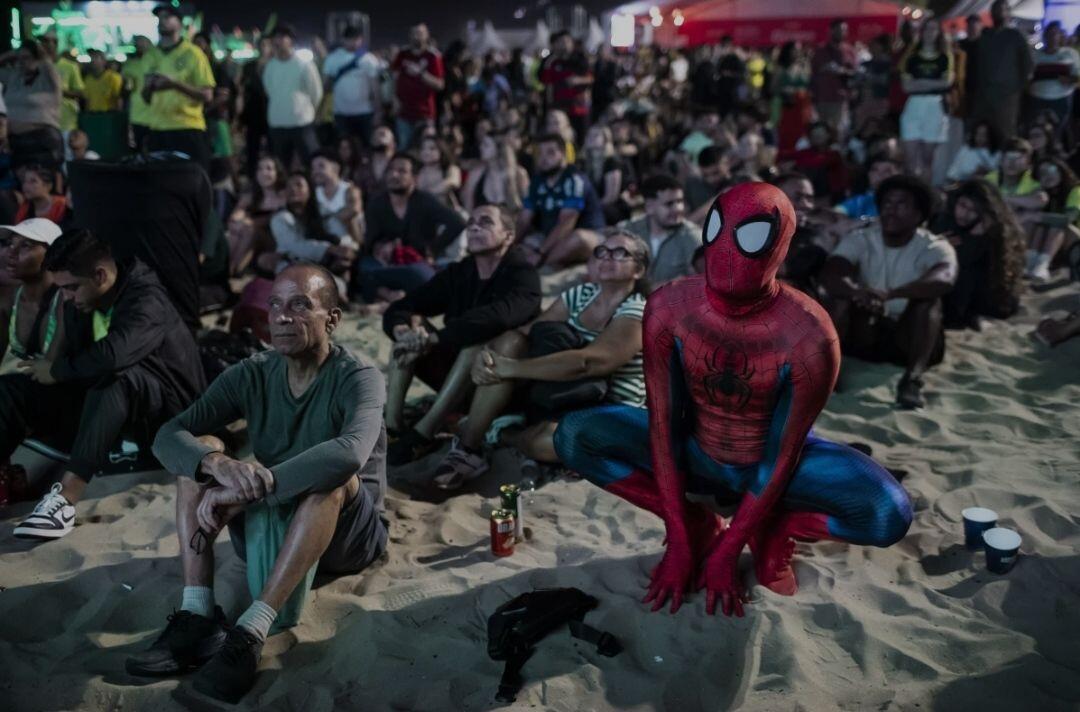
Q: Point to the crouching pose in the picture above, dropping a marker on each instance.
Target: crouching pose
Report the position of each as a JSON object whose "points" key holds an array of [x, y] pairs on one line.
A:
{"points": [[311, 499], [737, 367]]}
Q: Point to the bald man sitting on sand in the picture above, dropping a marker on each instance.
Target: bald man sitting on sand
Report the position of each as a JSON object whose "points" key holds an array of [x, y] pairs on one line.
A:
{"points": [[312, 497]]}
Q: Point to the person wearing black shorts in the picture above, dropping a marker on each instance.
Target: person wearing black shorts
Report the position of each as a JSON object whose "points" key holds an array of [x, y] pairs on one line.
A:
{"points": [[312, 499], [885, 285], [490, 292]]}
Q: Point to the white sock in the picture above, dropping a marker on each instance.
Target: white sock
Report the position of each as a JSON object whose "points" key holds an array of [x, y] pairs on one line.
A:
{"points": [[198, 600], [1031, 256], [1042, 261], [257, 619]]}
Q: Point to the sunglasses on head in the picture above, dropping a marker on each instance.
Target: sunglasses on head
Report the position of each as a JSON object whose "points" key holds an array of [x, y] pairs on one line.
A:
{"points": [[484, 221], [619, 254]]}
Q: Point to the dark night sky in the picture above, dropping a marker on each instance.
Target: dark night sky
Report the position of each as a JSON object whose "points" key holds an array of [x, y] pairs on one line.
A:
{"points": [[389, 18]]}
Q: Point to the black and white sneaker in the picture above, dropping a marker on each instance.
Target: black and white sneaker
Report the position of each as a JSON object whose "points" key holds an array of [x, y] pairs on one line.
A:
{"points": [[909, 393], [52, 518], [231, 673], [188, 641]]}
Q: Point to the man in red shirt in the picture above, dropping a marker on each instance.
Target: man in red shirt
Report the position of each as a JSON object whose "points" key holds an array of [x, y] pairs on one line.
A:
{"points": [[832, 68], [569, 81], [418, 70]]}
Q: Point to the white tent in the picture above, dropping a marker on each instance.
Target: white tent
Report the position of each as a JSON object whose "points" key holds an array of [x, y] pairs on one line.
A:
{"points": [[1022, 9], [485, 40], [596, 37], [541, 40]]}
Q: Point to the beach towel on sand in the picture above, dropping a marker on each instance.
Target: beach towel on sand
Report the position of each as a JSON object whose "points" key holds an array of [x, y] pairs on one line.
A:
{"points": [[265, 527]]}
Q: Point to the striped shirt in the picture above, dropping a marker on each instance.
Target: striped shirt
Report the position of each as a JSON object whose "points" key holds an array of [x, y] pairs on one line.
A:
{"points": [[627, 383]]}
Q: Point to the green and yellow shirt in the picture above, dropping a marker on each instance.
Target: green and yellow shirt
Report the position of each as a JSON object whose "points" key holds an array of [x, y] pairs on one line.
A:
{"points": [[172, 110]]}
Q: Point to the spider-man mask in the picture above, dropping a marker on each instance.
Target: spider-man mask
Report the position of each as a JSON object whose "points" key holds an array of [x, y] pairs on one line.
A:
{"points": [[746, 237]]}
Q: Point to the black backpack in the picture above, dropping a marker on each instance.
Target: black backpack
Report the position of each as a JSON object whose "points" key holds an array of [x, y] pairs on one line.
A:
{"points": [[517, 625], [220, 349]]}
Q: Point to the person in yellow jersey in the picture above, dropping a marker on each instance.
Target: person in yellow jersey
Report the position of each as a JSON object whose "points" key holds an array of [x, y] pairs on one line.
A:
{"points": [[178, 85], [104, 86], [134, 73], [71, 82]]}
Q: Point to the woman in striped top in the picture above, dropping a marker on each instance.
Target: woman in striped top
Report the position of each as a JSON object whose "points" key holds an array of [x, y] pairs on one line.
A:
{"points": [[606, 311]]}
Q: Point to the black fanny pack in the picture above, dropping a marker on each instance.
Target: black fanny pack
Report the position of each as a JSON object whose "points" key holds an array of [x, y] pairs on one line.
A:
{"points": [[552, 398], [517, 625]]}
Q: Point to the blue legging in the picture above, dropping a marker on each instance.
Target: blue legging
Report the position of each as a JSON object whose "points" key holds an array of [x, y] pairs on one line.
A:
{"points": [[864, 504]]}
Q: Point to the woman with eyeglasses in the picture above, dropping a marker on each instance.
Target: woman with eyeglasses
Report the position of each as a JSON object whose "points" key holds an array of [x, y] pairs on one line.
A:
{"points": [[591, 341]]}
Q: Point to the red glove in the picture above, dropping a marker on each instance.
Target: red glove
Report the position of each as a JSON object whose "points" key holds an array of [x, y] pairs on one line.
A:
{"points": [[672, 577], [720, 579]]}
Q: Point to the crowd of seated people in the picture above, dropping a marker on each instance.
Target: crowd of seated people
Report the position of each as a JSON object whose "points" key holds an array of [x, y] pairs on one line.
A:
{"points": [[444, 198]]}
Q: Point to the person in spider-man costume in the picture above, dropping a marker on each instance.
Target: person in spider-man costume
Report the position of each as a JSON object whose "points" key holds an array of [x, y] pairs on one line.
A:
{"points": [[737, 367]]}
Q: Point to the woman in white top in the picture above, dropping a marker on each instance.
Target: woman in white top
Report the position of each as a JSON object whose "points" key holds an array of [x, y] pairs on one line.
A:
{"points": [[438, 175], [926, 73], [977, 157], [340, 202], [301, 235], [606, 312]]}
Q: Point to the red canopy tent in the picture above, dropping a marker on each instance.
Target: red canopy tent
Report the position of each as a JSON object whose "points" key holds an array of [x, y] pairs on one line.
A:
{"points": [[760, 23]]}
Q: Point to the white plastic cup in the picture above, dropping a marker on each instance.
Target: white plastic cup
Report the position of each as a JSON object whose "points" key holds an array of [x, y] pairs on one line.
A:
{"points": [[976, 521], [1002, 549]]}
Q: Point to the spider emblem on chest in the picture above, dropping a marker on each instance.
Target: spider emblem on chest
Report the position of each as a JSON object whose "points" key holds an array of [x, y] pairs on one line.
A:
{"points": [[728, 383]]}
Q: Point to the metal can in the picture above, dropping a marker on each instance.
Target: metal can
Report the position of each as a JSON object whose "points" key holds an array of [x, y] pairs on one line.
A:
{"points": [[502, 532], [512, 500]]}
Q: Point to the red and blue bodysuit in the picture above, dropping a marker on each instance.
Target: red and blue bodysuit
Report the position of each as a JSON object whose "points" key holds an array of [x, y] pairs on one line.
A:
{"points": [[737, 368]]}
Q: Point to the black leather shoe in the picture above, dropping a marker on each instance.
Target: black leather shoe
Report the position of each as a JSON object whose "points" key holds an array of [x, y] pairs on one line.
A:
{"points": [[231, 673], [188, 641]]}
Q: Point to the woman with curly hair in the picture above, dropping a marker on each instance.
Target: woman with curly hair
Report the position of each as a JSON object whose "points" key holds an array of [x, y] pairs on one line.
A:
{"points": [[989, 246]]}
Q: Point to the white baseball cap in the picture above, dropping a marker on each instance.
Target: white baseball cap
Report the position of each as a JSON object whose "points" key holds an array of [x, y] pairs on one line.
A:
{"points": [[40, 230]]}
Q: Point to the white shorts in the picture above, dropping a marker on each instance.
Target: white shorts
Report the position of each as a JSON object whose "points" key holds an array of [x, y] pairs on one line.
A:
{"points": [[924, 119]]}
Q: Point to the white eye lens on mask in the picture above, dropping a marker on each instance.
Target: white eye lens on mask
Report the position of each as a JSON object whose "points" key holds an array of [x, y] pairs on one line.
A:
{"points": [[753, 237], [713, 226]]}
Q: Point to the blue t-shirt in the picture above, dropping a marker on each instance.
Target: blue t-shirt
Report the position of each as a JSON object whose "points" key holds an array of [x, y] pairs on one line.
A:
{"points": [[572, 191], [8, 180], [860, 206]]}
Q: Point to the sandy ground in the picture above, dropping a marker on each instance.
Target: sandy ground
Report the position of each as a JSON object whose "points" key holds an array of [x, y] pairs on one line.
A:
{"points": [[919, 626]]}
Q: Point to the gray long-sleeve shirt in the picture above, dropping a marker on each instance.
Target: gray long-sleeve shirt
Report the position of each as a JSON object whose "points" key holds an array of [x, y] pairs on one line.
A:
{"points": [[313, 443], [674, 256]]}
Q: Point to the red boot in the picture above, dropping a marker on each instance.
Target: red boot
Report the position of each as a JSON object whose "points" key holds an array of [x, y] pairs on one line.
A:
{"points": [[773, 548], [703, 526]]}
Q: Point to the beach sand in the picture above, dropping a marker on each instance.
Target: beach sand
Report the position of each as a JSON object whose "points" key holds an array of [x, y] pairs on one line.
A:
{"points": [[919, 626]]}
